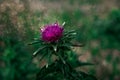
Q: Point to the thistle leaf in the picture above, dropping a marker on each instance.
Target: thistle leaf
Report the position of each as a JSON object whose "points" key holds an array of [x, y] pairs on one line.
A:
{"points": [[87, 76], [61, 58], [38, 50], [43, 56], [84, 63], [34, 42]]}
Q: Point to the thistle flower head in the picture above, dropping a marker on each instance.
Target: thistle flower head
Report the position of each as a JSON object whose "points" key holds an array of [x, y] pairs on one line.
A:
{"points": [[52, 32]]}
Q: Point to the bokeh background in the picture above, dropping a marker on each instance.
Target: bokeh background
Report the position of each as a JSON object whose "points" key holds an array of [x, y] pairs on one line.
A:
{"points": [[97, 23]]}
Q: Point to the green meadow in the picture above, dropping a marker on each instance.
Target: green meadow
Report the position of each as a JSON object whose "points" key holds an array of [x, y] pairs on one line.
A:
{"points": [[97, 23]]}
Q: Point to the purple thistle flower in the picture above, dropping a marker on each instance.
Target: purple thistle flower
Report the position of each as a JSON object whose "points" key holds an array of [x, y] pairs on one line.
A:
{"points": [[52, 32]]}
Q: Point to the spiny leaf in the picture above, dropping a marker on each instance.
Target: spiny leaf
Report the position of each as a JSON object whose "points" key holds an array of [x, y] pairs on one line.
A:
{"points": [[68, 32], [49, 57], [87, 76], [60, 57], [77, 45], [34, 42], [80, 64], [38, 50], [43, 56], [84, 63]]}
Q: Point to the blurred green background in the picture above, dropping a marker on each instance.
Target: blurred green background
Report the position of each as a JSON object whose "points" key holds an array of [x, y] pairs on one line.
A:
{"points": [[97, 23]]}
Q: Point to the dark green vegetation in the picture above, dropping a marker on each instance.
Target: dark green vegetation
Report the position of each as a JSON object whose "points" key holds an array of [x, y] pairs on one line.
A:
{"points": [[100, 33]]}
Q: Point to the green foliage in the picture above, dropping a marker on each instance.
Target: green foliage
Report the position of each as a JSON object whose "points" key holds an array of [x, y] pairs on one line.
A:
{"points": [[71, 18], [114, 19], [16, 62], [63, 65], [15, 57]]}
